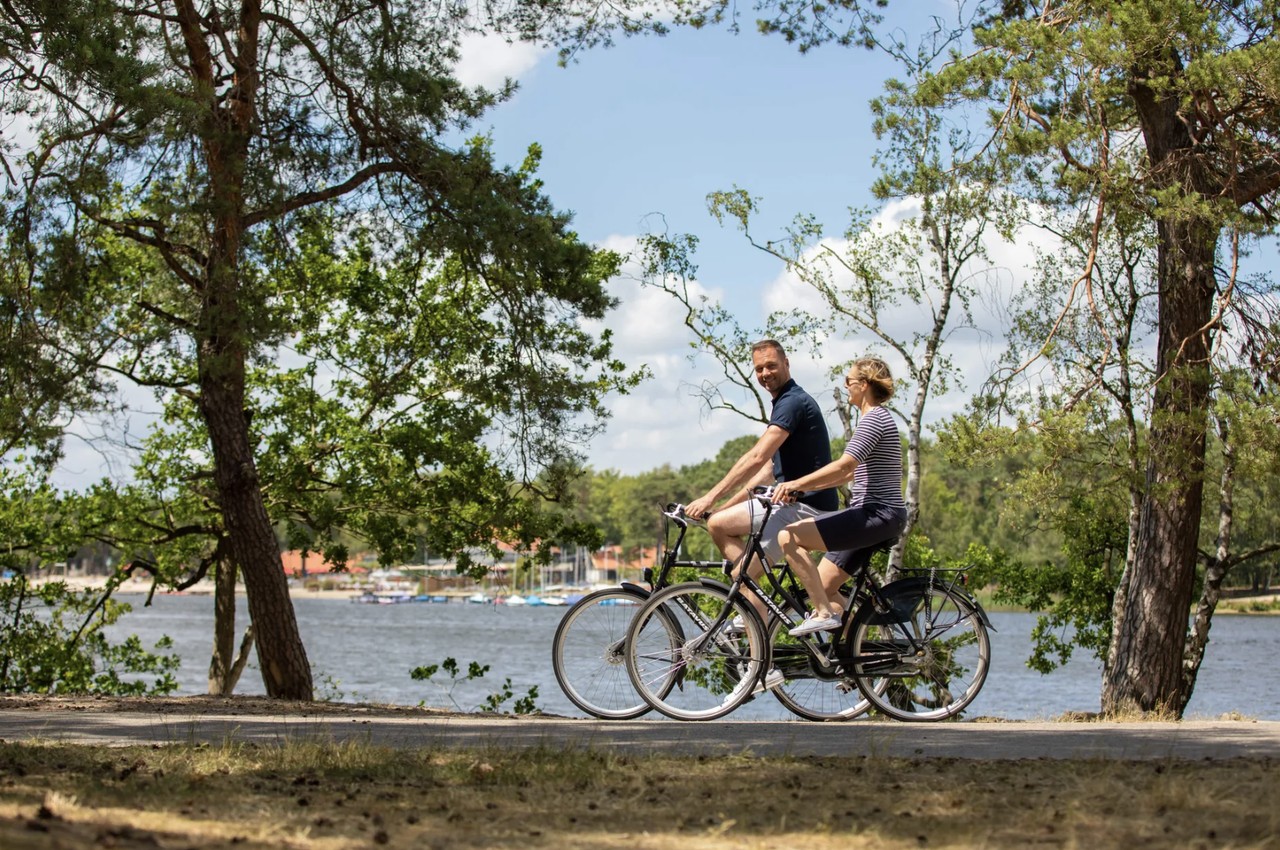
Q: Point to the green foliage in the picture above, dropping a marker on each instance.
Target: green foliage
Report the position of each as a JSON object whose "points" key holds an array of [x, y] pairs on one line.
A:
{"points": [[526, 704], [1247, 411], [1062, 501], [41, 379], [356, 324], [409, 376], [1074, 595], [53, 640]]}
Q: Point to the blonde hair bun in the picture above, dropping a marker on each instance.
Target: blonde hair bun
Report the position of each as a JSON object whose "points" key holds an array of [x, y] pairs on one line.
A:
{"points": [[876, 373]]}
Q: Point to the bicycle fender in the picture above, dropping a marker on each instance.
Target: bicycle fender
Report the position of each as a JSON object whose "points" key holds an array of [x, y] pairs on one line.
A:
{"points": [[637, 588], [903, 594], [710, 582]]}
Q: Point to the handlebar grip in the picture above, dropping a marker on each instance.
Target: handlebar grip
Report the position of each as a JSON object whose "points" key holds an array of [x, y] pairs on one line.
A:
{"points": [[764, 492], [675, 511]]}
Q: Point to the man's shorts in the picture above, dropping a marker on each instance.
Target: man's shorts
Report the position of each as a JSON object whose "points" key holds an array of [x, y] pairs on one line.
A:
{"points": [[780, 517]]}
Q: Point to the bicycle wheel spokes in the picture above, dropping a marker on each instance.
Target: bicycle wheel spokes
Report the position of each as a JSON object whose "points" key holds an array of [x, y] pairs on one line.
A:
{"points": [[814, 689], [927, 662], [683, 668], [588, 654]]}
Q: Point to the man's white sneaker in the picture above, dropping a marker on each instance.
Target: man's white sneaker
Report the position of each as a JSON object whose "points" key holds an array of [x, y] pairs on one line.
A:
{"points": [[772, 679], [814, 623]]}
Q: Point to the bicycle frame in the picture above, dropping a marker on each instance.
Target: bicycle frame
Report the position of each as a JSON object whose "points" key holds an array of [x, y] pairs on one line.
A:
{"points": [[675, 515], [898, 630], [866, 590], [819, 649]]}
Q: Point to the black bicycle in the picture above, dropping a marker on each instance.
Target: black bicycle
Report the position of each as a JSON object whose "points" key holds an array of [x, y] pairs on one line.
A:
{"points": [[588, 650], [914, 649]]}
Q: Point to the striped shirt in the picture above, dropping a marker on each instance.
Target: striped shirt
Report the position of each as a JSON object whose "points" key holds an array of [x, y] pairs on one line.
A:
{"points": [[877, 448]]}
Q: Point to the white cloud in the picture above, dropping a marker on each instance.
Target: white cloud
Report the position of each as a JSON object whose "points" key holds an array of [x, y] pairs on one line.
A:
{"points": [[663, 421], [973, 347], [489, 61]]}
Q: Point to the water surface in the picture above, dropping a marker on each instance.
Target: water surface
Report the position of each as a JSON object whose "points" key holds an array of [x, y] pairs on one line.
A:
{"points": [[365, 653]]}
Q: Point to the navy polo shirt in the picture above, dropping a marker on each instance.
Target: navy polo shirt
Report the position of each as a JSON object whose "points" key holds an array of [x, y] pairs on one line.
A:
{"points": [[807, 447]]}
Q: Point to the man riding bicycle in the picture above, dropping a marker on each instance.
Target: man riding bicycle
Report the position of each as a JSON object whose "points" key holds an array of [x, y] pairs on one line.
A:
{"points": [[794, 444]]}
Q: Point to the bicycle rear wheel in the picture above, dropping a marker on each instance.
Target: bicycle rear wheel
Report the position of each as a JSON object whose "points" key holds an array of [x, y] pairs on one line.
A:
{"points": [[682, 667], [588, 658], [814, 690], [926, 659]]}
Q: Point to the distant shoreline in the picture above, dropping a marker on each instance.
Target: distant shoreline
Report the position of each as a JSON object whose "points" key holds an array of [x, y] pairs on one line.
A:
{"points": [[142, 587], [1260, 605]]}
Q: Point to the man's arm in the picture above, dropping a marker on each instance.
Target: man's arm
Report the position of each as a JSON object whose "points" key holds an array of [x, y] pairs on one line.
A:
{"points": [[754, 467]]}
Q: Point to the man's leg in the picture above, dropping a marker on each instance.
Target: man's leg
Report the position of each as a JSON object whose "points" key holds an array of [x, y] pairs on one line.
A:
{"points": [[781, 516], [729, 529]]}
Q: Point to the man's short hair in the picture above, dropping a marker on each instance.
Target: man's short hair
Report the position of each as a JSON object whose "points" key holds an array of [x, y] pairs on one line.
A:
{"points": [[769, 343]]}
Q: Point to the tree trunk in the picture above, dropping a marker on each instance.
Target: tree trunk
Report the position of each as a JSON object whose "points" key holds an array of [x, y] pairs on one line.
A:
{"points": [[222, 345], [224, 627], [1145, 669], [1150, 630], [1119, 601], [1214, 573], [252, 540], [226, 665]]}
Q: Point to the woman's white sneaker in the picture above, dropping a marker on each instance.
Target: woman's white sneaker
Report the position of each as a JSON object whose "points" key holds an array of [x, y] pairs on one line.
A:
{"points": [[814, 623]]}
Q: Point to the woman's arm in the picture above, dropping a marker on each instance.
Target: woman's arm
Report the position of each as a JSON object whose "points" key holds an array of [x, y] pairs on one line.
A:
{"points": [[833, 474]]}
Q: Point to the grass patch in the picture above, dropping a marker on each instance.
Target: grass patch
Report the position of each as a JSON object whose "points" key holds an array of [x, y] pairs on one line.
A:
{"points": [[1247, 605], [343, 795]]}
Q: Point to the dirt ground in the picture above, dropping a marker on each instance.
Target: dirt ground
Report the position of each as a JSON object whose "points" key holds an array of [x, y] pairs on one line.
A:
{"points": [[341, 795], [238, 704]]}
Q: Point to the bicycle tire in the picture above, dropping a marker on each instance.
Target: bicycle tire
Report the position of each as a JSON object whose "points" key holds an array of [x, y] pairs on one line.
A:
{"points": [[587, 654], [935, 682], [823, 695], [680, 669]]}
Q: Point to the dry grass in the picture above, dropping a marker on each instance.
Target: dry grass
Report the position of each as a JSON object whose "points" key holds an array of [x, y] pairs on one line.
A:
{"points": [[311, 795], [1250, 605]]}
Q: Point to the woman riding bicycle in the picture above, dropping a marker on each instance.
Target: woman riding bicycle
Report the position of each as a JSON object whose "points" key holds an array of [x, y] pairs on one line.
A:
{"points": [[876, 511]]}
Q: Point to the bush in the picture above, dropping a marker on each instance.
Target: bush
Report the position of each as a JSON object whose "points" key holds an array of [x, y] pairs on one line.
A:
{"points": [[52, 640]]}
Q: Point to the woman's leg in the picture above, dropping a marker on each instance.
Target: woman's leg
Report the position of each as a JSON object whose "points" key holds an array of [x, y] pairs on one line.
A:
{"points": [[796, 539], [833, 578]]}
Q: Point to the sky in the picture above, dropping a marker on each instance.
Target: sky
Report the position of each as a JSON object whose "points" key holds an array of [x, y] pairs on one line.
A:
{"points": [[634, 137]]}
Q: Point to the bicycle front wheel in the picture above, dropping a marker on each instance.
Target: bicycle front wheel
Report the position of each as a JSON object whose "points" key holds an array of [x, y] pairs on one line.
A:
{"points": [[588, 657], [684, 667], [816, 688], [925, 659]]}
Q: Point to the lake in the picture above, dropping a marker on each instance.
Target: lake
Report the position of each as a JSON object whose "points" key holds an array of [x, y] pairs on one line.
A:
{"points": [[363, 653]]}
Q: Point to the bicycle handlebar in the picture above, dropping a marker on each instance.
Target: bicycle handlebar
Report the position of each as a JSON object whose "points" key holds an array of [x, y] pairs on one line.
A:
{"points": [[675, 511], [764, 492], [760, 492]]}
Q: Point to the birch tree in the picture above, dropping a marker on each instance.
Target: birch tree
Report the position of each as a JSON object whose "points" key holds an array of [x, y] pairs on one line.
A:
{"points": [[1192, 85], [931, 262]]}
